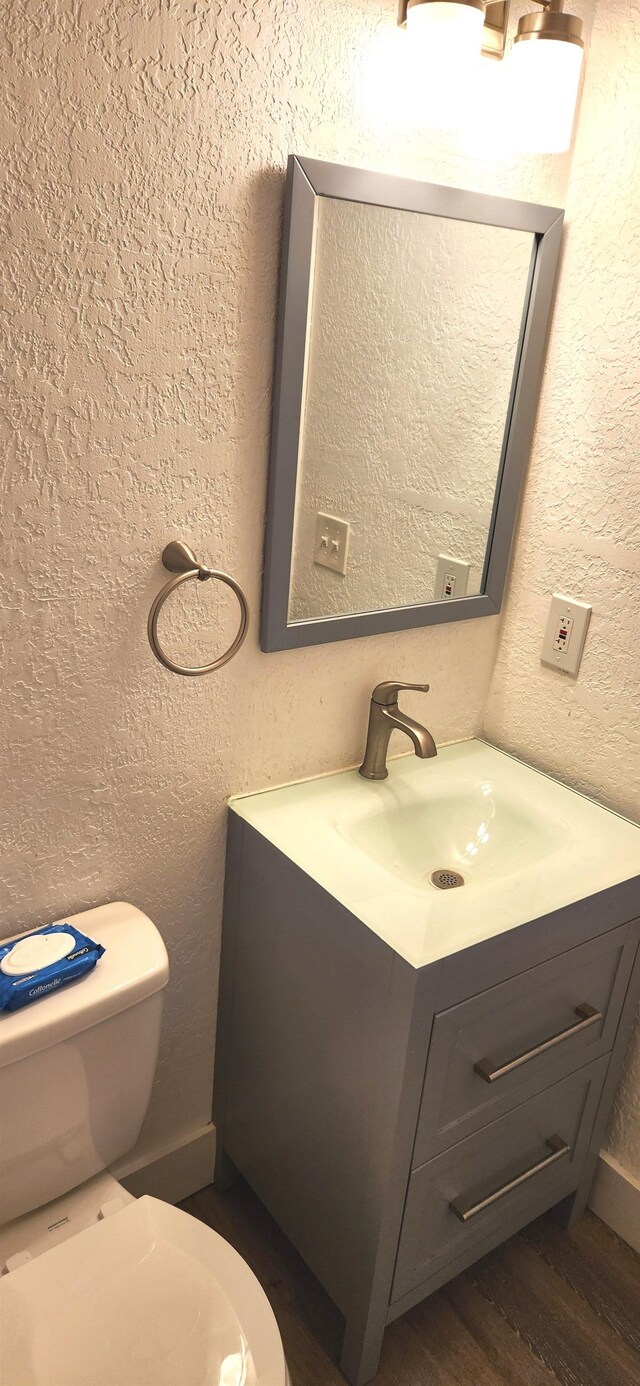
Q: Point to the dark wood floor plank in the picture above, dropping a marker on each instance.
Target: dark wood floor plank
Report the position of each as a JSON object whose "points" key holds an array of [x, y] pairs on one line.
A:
{"points": [[431, 1347], [548, 1308], [510, 1355], [598, 1266], [552, 1318]]}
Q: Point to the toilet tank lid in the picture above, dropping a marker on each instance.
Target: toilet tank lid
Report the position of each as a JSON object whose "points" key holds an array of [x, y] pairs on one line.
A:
{"points": [[134, 966]]}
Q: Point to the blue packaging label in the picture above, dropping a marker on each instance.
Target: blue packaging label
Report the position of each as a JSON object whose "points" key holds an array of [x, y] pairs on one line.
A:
{"points": [[21, 990]]}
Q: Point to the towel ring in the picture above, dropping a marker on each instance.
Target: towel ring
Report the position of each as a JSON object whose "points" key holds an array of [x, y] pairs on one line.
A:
{"points": [[178, 558]]}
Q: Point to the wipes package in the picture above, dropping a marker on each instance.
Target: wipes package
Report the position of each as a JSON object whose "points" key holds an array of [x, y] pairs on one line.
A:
{"points": [[40, 963]]}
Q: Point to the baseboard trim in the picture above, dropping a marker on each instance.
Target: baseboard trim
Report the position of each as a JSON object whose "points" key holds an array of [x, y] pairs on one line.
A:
{"points": [[615, 1198], [173, 1172]]}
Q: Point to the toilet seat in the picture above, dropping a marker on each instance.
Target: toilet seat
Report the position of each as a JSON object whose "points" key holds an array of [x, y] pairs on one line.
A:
{"points": [[147, 1297]]}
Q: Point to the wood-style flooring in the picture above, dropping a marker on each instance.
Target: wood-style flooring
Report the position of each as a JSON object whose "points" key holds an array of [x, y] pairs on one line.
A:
{"points": [[548, 1308]]}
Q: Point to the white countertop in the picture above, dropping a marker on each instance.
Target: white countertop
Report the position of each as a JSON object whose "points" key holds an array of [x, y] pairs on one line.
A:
{"points": [[525, 844]]}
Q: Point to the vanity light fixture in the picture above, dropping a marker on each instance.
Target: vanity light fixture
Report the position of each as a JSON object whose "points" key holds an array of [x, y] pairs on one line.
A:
{"points": [[444, 21], [545, 72], [545, 63], [446, 38], [479, 24]]}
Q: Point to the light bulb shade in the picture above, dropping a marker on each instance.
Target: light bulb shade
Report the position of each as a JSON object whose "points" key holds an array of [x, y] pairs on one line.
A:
{"points": [[545, 64], [446, 40]]}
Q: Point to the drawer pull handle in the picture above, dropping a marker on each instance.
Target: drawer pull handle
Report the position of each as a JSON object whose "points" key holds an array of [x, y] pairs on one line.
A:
{"points": [[587, 1015], [466, 1211]]}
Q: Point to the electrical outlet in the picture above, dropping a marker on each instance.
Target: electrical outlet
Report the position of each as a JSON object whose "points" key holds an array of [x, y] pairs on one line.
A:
{"points": [[332, 543], [452, 578], [565, 634]]}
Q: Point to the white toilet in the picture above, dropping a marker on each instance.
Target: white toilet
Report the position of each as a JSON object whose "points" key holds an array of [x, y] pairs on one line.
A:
{"points": [[98, 1288]]}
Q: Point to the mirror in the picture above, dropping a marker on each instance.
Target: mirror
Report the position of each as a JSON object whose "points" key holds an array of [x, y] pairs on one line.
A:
{"points": [[412, 327], [407, 391]]}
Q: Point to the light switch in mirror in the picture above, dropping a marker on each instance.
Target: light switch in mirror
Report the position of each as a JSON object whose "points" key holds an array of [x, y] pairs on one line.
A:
{"points": [[413, 321]]}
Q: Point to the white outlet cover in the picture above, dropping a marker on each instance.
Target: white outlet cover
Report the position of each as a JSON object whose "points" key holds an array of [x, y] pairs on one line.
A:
{"points": [[566, 632], [452, 578]]}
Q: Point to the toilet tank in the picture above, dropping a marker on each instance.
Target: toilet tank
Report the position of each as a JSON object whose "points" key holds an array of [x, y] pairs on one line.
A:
{"points": [[76, 1067]]}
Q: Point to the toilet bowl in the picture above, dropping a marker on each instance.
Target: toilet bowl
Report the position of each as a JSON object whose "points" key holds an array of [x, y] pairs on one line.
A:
{"points": [[98, 1288], [148, 1296]]}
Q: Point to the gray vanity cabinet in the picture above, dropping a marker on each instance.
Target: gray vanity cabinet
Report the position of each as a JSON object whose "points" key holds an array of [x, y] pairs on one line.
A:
{"points": [[397, 1122]]}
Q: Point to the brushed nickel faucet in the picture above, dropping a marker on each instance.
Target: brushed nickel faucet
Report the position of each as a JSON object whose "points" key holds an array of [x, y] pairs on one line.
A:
{"points": [[384, 717]]}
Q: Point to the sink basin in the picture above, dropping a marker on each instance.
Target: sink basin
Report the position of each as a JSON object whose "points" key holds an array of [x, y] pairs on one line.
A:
{"points": [[472, 828], [522, 844]]}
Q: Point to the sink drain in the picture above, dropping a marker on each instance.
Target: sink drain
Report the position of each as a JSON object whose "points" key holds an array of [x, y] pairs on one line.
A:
{"points": [[445, 879]]}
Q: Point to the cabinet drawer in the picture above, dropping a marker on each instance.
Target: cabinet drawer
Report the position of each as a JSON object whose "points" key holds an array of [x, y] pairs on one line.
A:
{"points": [[492, 1052], [488, 1186]]}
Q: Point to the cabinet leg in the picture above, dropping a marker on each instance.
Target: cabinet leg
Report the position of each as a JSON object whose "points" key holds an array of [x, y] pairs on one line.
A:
{"points": [[361, 1349], [225, 1174], [571, 1209]]}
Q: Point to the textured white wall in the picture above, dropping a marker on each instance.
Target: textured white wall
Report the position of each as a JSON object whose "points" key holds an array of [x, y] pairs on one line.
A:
{"points": [[144, 149], [580, 524], [413, 332]]}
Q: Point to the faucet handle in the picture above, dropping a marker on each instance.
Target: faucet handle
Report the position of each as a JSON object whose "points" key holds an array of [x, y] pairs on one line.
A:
{"points": [[386, 694]]}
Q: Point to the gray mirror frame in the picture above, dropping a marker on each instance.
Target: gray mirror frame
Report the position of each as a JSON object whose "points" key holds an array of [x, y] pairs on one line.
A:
{"points": [[307, 180]]}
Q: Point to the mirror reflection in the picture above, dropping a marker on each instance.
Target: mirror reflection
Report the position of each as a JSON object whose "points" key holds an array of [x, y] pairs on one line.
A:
{"points": [[412, 345]]}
